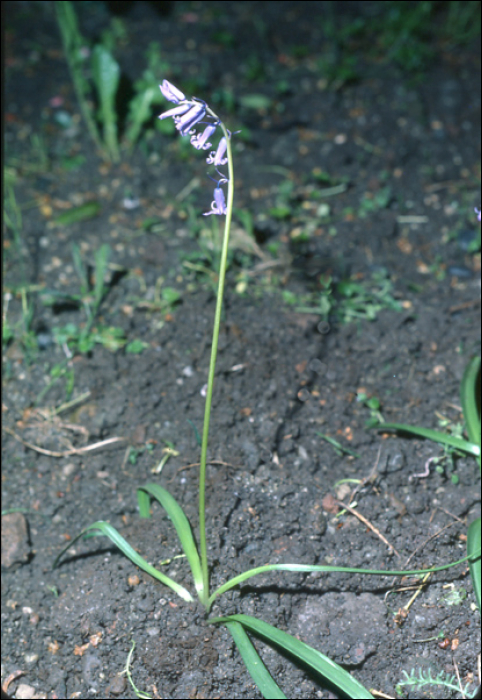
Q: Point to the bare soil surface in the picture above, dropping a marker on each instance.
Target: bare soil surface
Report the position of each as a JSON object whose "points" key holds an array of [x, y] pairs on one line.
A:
{"points": [[409, 155]]}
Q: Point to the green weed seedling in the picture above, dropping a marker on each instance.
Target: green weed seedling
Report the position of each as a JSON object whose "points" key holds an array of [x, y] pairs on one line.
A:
{"points": [[470, 399], [159, 299], [374, 405], [365, 301], [22, 329], [348, 300], [399, 33], [187, 114], [378, 200], [106, 76], [61, 370], [339, 448], [34, 161], [424, 679], [446, 462], [12, 216], [127, 672], [338, 64], [82, 338]]}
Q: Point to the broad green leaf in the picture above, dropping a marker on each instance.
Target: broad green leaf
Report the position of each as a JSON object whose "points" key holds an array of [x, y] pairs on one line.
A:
{"points": [[139, 112], [306, 655], [435, 435], [180, 522], [106, 72], [473, 546], [256, 668], [125, 547]]}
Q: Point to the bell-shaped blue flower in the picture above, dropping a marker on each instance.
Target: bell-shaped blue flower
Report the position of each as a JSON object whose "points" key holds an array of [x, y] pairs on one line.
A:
{"points": [[218, 206], [196, 113], [175, 111], [217, 157], [199, 140], [171, 93]]}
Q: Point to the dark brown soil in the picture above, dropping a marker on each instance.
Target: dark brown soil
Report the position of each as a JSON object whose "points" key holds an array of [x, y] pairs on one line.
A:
{"points": [[282, 378]]}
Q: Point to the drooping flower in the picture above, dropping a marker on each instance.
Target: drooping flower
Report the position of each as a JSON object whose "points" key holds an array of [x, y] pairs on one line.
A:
{"points": [[199, 140], [217, 157], [218, 206], [175, 111], [185, 123], [171, 93], [478, 212]]}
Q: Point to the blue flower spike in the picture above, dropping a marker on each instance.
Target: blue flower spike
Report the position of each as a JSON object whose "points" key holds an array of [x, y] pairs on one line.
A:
{"points": [[188, 115]]}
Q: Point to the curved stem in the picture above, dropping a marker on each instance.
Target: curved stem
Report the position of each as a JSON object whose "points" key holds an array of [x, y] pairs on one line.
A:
{"points": [[204, 596]]}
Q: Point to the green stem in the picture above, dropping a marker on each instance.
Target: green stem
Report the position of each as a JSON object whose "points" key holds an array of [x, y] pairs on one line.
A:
{"points": [[212, 366]]}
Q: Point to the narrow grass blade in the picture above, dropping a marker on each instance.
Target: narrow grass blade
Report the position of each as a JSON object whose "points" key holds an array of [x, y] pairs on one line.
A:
{"points": [[468, 395], [303, 654], [180, 522], [83, 212], [338, 447], [435, 435], [256, 668], [310, 568], [101, 262], [473, 546], [119, 541], [80, 270]]}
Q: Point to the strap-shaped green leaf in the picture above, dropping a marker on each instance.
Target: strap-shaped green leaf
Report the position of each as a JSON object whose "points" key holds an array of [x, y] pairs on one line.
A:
{"points": [[468, 396], [256, 668], [180, 522], [311, 568], [101, 262], [473, 546], [435, 435], [110, 532], [321, 664]]}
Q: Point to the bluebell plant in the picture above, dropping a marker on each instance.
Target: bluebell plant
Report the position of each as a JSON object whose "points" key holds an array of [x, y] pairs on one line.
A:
{"points": [[194, 118], [188, 114]]}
